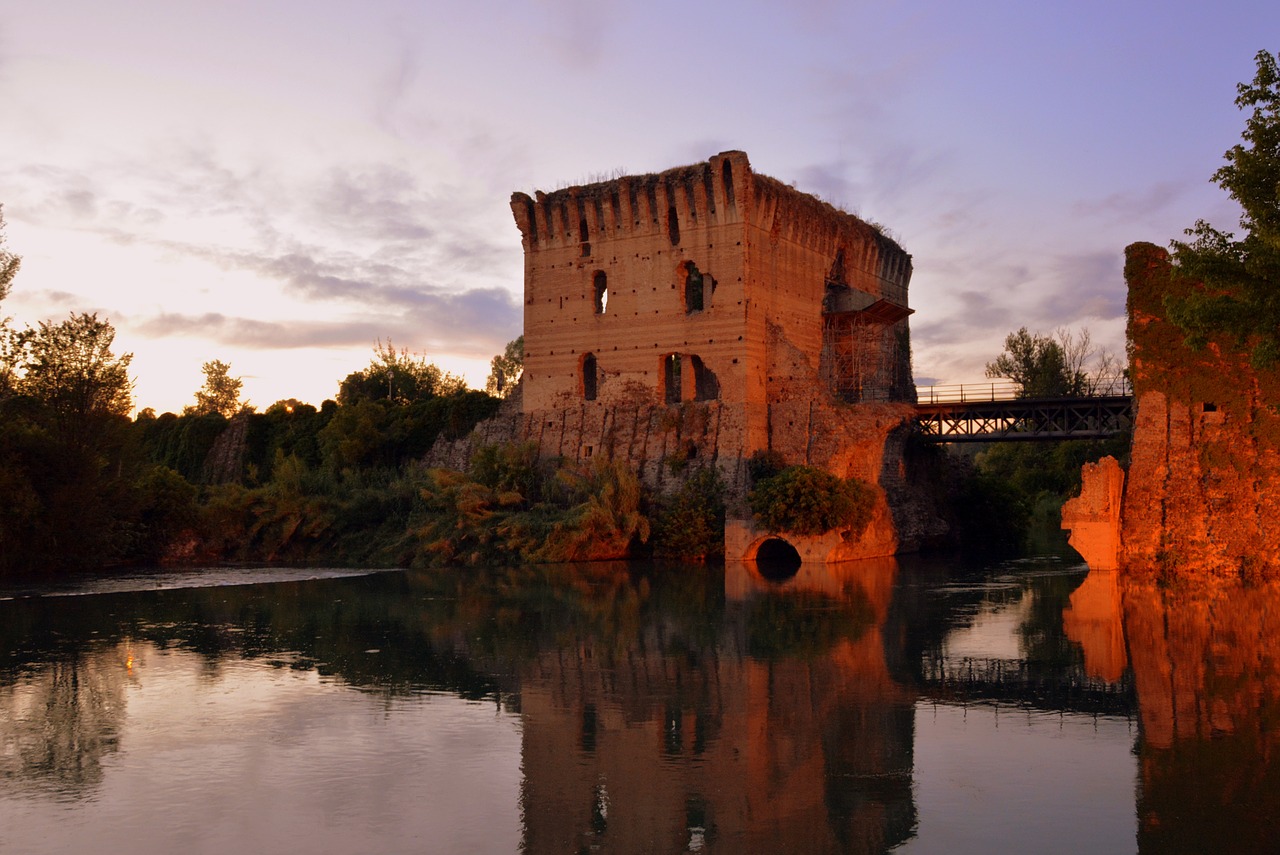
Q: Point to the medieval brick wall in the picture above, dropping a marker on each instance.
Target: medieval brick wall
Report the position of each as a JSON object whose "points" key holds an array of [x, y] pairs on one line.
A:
{"points": [[690, 285], [1202, 497], [676, 320]]}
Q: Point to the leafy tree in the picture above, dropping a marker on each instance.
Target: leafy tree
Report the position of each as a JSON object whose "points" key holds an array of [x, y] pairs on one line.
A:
{"points": [[69, 367], [1037, 364], [220, 393], [1063, 364], [808, 501], [9, 350], [398, 377], [9, 263], [690, 524], [65, 459], [505, 370], [1240, 296]]}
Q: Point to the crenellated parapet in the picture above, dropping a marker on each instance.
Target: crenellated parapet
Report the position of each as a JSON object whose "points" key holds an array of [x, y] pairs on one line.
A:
{"points": [[666, 203], [861, 254], [712, 287]]}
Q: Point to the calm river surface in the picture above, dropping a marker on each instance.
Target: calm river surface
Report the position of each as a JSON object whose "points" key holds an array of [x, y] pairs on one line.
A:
{"points": [[908, 705]]}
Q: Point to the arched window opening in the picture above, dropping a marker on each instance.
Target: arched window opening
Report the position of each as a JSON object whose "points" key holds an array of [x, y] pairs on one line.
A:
{"points": [[726, 176], [671, 378], [590, 377], [777, 560], [600, 286], [694, 293], [705, 385], [673, 226]]}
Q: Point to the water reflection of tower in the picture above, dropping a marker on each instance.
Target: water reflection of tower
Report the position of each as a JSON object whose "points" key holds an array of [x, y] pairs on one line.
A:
{"points": [[1207, 670], [765, 737]]}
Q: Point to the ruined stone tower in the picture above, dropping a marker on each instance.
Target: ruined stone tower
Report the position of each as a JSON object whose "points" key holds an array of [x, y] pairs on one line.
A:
{"points": [[768, 317]]}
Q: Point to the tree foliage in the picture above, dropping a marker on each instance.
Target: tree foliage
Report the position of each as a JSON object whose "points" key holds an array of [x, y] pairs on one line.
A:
{"points": [[220, 393], [509, 507], [1061, 365], [1037, 364], [398, 377], [808, 501], [9, 264], [68, 495], [505, 369], [690, 524], [69, 367], [1240, 297]]}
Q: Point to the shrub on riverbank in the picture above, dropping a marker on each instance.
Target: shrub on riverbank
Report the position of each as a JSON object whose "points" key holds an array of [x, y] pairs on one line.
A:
{"points": [[689, 526], [808, 501], [509, 507]]}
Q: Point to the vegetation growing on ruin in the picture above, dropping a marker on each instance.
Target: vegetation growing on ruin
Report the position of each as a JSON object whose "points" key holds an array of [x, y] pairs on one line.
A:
{"points": [[804, 500], [511, 507], [1233, 297], [689, 525], [1208, 310]]}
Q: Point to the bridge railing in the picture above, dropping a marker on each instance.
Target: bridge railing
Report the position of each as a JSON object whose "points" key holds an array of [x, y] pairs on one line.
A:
{"points": [[1006, 390]]}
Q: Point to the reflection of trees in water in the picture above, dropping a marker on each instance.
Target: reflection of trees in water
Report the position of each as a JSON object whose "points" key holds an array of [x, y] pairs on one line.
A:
{"points": [[651, 706], [59, 722]]}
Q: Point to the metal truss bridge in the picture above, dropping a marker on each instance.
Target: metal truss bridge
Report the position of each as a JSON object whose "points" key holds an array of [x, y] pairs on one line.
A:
{"points": [[1011, 682], [992, 412]]}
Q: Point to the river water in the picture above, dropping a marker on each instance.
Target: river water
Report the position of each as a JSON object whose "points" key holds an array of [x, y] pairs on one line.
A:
{"points": [[908, 705]]}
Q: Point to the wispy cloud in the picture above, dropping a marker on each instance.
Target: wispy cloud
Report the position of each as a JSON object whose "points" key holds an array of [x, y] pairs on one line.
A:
{"points": [[1135, 204], [474, 324], [1083, 287], [579, 29]]}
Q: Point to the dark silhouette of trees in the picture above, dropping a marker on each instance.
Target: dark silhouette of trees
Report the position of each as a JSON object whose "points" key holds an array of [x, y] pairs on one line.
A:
{"points": [[220, 393], [505, 369], [69, 367], [398, 377], [9, 264], [66, 463], [1038, 365]]}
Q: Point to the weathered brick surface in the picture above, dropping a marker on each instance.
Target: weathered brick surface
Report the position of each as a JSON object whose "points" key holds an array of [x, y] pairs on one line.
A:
{"points": [[612, 307], [1202, 497], [1094, 516]]}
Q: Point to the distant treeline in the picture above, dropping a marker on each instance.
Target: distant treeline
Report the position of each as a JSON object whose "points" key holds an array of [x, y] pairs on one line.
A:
{"points": [[205, 487]]}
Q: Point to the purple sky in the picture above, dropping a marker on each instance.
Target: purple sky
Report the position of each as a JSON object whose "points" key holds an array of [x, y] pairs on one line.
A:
{"points": [[280, 184]]}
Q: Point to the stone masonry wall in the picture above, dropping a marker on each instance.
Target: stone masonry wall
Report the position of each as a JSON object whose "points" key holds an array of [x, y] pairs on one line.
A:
{"points": [[1202, 496], [675, 321]]}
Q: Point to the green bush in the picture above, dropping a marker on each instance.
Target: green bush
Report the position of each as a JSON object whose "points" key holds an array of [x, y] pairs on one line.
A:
{"points": [[509, 509], [690, 524], [165, 507], [765, 463], [807, 501]]}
